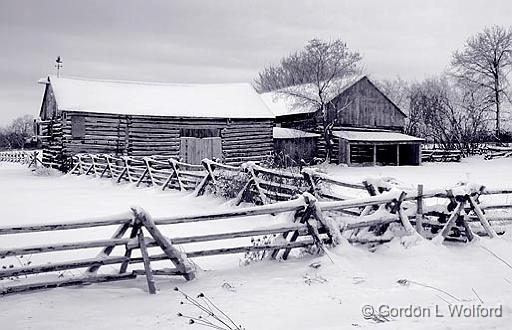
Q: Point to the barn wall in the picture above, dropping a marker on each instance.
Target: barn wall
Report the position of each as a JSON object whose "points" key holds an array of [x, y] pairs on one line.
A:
{"points": [[242, 140], [302, 122], [296, 149], [368, 107], [101, 134], [49, 105]]}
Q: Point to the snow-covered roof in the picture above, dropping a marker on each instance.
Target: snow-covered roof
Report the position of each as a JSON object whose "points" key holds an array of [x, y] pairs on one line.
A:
{"points": [[281, 104], [375, 136], [235, 100], [289, 133]]}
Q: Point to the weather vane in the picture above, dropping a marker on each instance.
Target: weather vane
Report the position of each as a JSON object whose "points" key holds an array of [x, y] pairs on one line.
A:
{"points": [[58, 65]]}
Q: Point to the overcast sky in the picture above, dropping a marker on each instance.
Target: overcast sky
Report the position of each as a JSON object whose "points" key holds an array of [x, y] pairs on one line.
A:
{"points": [[222, 41]]}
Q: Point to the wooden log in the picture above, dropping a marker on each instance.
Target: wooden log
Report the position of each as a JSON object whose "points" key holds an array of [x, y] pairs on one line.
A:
{"points": [[490, 231], [231, 235], [179, 261], [37, 269], [108, 249], [288, 206], [99, 222], [66, 282], [147, 266], [359, 202], [467, 229], [419, 210], [328, 179], [232, 250], [43, 248], [305, 216], [156, 272]]}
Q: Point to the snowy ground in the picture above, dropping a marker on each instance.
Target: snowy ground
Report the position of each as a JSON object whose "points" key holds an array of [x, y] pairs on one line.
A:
{"points": [[267, 294]]}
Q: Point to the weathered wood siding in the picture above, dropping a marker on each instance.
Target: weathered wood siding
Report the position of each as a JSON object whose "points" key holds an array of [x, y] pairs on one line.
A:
{"points": [[303, 122], [242, 140], [367, 107], [49, 105], [296, 149]]}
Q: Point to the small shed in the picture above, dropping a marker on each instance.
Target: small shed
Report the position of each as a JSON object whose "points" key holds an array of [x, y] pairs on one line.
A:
{"points": [[370, 148], [192, 121], [295, 145]]}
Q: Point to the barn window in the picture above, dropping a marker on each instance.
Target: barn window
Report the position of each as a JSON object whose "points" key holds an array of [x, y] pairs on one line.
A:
{"points": [[200, 132], [78, 126]]}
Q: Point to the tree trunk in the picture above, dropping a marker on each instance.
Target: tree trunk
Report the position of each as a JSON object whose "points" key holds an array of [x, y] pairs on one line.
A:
{"points": [[328, 143], [497, 100]]}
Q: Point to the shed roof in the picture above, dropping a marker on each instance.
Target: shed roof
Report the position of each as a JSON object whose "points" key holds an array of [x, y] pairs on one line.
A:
{"points": [[235, 100], [282, 105], [289, 133], [375, 136]]}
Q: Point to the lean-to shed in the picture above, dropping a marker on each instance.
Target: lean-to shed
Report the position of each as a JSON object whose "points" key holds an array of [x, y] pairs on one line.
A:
{"points": [[193, 121]]}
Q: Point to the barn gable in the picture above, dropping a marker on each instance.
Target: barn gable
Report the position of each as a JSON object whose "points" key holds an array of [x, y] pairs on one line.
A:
{"points": [[363, 105], [49, 105], [358, 102]]}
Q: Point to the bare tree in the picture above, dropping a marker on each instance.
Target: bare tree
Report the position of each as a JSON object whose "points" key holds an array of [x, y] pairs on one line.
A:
{"points": [[485, 62], [450, 115], [312, 77], [15, 135]]}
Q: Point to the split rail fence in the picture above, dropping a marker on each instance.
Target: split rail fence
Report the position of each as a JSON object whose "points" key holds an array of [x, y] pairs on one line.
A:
{"points": [[21, 156], [321, 215]]}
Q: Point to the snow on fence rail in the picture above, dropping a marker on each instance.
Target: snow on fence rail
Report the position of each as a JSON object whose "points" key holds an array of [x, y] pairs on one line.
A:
{"points": [[262, 185], [460, 215], [313, 226], [140, 222]]}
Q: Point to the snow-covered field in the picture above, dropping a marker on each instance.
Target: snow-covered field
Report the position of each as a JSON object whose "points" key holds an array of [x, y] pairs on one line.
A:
{"points": [[268, 294]]}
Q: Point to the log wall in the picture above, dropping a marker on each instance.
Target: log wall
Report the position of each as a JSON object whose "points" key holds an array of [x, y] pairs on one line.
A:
{"points": [[242, 140]]}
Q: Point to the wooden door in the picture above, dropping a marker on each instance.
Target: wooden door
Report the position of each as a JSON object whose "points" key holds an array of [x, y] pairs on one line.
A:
{"points": [[194, 150]]}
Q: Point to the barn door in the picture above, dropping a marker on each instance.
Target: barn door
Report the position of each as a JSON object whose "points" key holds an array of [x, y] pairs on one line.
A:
{"points": [[193, 150]]}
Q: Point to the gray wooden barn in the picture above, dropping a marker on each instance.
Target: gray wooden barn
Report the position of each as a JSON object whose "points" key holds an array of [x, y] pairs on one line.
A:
{"points": [[368, 126], [192, 121]]}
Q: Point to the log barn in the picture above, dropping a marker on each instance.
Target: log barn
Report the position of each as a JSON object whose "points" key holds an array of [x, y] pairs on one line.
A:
{"points": [[229, 122], [367, 126]]}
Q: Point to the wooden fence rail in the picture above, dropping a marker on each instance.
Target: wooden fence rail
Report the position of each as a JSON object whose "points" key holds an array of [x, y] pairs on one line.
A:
{"points": [[319, 218], [139, 223], [310, 228], [263, 185]]}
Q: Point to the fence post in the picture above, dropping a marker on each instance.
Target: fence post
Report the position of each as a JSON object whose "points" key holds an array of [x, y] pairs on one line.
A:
{"points": [[106, 251], [419, 210], [148, 167], [109, 165], [147, 265], [127, 168], [175, 172], [209, 176], [310, 181], [183, 265], [485, 223]]}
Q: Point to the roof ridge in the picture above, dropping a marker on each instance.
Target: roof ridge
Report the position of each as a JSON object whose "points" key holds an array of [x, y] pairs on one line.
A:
{"points": [[146, 83]]}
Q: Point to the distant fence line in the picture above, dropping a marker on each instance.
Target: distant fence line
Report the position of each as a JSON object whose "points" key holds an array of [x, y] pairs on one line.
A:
{"points": [[320, 216], [21, 156]]}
